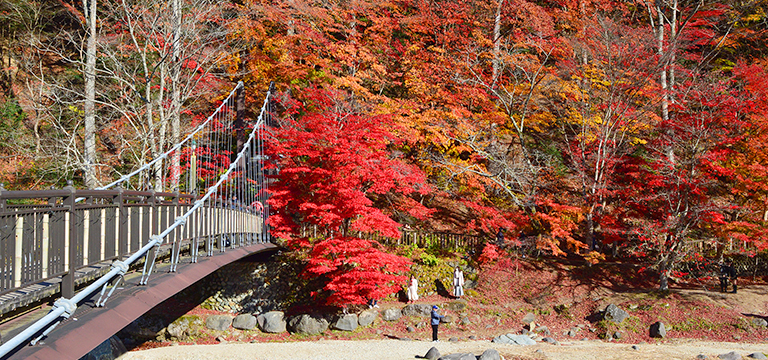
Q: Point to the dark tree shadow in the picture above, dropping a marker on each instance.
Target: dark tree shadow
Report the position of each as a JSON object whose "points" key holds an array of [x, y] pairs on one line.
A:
{"points": [[441, 290], [402, 296]]}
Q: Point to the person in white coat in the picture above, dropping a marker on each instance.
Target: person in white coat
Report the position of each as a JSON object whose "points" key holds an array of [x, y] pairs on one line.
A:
{"points": [[458, 282], [413, 289]]}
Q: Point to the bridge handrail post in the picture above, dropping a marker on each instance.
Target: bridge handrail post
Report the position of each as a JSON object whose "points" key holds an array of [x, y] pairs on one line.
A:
{"points": [[122, 222], [151, 220], [176, 235], [3, 201], [70, 248]]}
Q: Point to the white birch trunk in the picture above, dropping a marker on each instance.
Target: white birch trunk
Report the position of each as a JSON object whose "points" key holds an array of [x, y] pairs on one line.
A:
{"points": [[176, 96], [497, 44], [89, 107]]}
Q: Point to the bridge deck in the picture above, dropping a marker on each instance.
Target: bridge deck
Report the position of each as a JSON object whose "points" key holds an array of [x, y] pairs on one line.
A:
{"points": [[90, 326], [43, 290]]}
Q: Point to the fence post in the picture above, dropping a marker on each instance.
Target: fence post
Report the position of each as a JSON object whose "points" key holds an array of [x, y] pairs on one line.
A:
{"points": [[122, 223], [153, 221], [18, 251], [152, 218], [207, 225], [2, 200], [45, 241], [70, 249], [176, 234]]}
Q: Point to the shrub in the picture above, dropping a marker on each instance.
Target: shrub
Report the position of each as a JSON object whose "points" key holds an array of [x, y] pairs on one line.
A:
{"points": [[490, 254], [429, 259]]}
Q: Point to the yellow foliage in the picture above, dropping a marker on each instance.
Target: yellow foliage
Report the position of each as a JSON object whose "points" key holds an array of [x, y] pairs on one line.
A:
{"points": [[540, 121], [594, 257], [75, 110], [758, 15]]}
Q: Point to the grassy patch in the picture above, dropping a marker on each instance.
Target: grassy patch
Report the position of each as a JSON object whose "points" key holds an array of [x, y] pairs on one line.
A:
{"points": [[695, 324]]}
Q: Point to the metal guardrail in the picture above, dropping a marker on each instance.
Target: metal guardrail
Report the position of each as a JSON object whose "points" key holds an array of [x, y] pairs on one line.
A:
{"points": [[58, 234]]}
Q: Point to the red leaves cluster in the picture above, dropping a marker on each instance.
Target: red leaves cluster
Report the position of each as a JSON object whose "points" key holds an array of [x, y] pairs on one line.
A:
{"points": [[357, 270], [489, 254], [336, 172], [334, 165]]}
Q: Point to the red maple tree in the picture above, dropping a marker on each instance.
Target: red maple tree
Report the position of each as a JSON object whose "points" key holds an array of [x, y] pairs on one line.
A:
{"points": [[337, 174]]}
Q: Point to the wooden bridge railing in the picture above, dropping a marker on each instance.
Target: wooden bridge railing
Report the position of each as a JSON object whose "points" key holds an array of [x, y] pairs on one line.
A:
{"points": [[49, 233]]}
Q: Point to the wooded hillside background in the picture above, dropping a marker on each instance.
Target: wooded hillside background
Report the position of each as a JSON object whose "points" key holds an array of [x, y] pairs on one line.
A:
{"points": [[638, 126]]}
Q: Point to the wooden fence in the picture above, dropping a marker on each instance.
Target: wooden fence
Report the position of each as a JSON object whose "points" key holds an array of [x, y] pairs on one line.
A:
{"points": [[419, 238]]}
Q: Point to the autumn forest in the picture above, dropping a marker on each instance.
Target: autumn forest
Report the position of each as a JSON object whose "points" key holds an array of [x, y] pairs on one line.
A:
{"points": [[631, 128]]}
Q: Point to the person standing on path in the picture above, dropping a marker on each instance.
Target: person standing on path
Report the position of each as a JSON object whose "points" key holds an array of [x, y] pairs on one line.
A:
{"points": [[500, 238], [723, 277], [727, 272], [436, 317], [458, 282], [413, 289]]}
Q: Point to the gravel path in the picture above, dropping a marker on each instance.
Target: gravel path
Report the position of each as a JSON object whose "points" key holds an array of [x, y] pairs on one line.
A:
{"points": [[395, 350]]}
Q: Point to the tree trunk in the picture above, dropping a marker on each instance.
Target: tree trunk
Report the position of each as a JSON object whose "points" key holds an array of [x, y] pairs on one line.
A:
{"points": [[663, 275], [154, 134], [673, 36], [591, 232], [89, 106], [664, 63], [496, 44], [163, 124], [175, 97]]}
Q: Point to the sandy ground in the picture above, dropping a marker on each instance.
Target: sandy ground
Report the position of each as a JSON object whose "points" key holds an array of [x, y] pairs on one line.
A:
{"points": [[396, 349]]}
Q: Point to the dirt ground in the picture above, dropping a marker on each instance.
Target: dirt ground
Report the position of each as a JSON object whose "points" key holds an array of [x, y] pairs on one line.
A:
{"points": [[701, 320], [396, 349], [750, 300]]}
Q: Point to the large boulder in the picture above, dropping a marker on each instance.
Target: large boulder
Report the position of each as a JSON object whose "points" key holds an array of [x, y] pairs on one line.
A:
{"points": [[178, 330], [346, 322], [758, 355], [657, 330], [490, 354], [420, 310], [542, 330], [456, 305], [244, 322], [759, 322], [447, 319], [730, 356], [367, 317], [513, 339], [614, 313], [550, 340], [306, 324], [458, 357], [529, 318], [271, 322], [432, 354], [391, 314], [185, 326], [218, 322]]}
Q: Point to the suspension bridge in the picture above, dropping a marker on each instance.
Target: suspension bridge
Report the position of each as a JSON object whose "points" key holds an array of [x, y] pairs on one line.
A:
{"points": [[108, 255]]}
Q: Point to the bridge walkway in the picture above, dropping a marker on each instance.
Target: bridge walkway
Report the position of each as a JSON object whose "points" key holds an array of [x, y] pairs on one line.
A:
{"points": [[89, 326]]}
